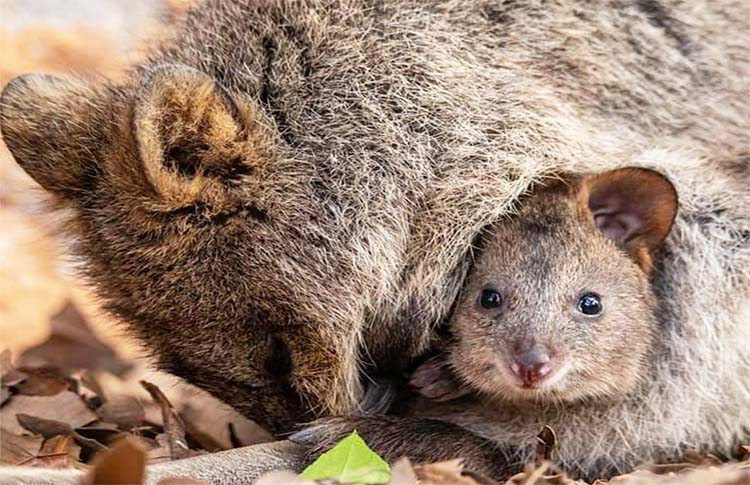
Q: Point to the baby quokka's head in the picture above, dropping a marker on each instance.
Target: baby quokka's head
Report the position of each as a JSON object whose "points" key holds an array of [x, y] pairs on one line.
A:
{"points": [[558, 306]]}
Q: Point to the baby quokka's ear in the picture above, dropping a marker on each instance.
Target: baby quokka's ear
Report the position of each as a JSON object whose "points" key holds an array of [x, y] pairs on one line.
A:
{"points": [[634, 207]]}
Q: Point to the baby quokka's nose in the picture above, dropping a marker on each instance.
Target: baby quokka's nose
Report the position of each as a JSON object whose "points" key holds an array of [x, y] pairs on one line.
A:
{"points": [[531, 366]]}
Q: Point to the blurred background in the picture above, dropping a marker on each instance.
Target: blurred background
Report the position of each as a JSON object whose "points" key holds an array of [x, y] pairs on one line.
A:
{"points": [[37, 278]]}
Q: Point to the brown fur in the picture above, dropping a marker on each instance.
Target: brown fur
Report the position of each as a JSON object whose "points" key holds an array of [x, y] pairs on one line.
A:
{"points": [[327, 167]]}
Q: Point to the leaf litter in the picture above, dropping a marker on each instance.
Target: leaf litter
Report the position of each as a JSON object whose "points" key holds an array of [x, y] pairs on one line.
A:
{"points": [[54, 412]]}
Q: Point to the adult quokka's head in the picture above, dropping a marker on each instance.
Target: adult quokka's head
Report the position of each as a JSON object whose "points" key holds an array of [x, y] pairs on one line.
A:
{"points": [[197, 226], [559, 306]]}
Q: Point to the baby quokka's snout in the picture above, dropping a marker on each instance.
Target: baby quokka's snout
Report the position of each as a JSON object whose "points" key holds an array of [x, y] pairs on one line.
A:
{"points": [[531, 365]]}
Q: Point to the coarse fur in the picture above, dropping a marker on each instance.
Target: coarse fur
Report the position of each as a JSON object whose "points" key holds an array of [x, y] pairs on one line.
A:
{"points": [[283, 199]]}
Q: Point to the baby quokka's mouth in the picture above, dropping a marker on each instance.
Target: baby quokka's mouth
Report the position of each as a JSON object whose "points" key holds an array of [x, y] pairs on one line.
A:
{"points": [[531, 366], [535, 367]]}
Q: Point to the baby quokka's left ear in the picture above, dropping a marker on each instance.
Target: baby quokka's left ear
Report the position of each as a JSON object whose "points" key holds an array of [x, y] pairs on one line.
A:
{"points": [[634, 207]]}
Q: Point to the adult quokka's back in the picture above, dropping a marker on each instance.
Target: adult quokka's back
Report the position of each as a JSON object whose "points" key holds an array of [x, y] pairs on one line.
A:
{"points": [[284, 196]]}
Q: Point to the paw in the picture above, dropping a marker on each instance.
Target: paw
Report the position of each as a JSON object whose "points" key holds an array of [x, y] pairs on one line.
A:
{"points": [[434, 381]]}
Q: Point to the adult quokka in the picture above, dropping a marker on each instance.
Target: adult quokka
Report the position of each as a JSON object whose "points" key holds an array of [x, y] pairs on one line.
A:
{"points": [[281, 201]]}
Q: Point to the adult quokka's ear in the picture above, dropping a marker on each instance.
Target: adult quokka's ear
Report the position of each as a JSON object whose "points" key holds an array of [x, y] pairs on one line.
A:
{"points": [[195, 141], [634, 207], [48, 123]]}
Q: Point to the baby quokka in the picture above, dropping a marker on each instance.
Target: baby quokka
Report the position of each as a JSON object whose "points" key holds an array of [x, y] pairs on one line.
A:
{"points": [[559, 306], [555, 326]]}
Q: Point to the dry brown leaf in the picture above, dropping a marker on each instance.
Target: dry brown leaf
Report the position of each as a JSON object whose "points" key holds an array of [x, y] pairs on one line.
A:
{"points": [[50, 428], [695, 457], [43, 382], [402, 473], [102, 432], [546, 441], [57, 452], [18, 449], [174, 428], [124, 463], [72, 345], [125, 411], [66, 407], [443, 473], [4, 395], [726, 474], [216, 426], [160, 452], [47, 428], [34, 451]]}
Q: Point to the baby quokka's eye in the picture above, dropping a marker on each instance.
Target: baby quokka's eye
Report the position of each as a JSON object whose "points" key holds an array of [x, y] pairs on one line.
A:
{"points": [[490, 299], [590, 304]]}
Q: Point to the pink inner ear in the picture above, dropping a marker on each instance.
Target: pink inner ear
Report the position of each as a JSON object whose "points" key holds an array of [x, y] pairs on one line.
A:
{"points": [[613, 217], [620, 227]]}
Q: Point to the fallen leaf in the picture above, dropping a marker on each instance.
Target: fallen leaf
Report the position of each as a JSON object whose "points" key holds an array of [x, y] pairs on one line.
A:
{"points": [[727, 474], [350, 461], [545, 445], [124, 463], [173, 425], [43, 381], [4, 395], [216, 426], [66, 407], [402, 473], [161, 450], [695, 457], [17, 449], [72, 345], [125, 411], [443, 473], [56, 452], [47, 428], [50, 428], [102, 432]]}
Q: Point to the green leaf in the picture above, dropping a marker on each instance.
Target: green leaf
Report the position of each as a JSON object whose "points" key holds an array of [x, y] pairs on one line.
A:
{"points": [[350, 461]]}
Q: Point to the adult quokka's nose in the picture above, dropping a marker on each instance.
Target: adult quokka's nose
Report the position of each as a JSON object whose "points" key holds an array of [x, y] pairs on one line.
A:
{"points": [[531, 366]]}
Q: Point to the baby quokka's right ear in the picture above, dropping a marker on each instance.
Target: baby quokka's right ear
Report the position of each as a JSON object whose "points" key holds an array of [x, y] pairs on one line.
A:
{"points": [[634, 207]]}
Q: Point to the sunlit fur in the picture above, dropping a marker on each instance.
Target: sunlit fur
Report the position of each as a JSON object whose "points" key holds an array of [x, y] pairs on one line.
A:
{"points": [[396, 133]]}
